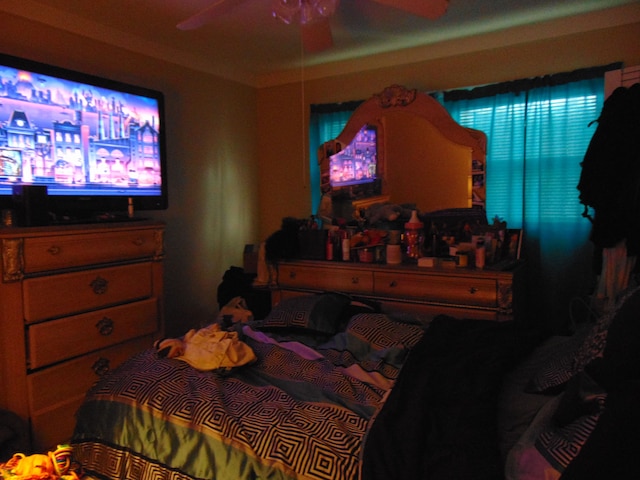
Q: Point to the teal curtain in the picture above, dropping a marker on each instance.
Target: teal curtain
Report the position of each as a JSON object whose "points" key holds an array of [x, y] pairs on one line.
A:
{"points": [[324, 125], [537, 139]]}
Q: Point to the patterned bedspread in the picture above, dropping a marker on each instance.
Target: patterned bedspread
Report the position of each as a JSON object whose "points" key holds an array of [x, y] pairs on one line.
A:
{"points": [[297, 413]]}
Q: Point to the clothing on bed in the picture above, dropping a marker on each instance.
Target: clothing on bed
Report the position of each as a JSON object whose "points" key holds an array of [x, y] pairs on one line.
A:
{"points": [[440, 421], [209, 348]]}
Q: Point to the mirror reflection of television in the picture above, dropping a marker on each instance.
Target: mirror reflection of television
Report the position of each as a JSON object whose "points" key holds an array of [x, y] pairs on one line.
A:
{"points": [[356, 164], [94, 143]]}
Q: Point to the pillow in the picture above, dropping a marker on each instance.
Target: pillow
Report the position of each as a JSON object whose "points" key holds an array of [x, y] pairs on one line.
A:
{"points": [[320, 313], [381, 331], [586, 346], [377, 342], [594, 345], [557, 368]]}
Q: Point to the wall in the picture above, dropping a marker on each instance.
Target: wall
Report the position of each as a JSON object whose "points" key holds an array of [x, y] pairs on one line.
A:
{"points": [[230, 185], [211, 145]]}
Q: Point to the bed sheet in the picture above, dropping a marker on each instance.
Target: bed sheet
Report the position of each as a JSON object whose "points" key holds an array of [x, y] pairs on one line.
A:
{"points": [[297, 413]]}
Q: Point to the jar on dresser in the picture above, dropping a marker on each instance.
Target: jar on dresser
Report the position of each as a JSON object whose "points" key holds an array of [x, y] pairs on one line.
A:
{"points": [[75, 301]]}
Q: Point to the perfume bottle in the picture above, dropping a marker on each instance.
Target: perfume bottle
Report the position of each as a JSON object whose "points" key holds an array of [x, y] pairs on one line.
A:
{"points": [[413, 236]]}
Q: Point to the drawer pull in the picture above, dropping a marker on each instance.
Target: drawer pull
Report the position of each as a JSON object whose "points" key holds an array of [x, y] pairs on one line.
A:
{"points": [[355, 280], [101, 366], [105, 326], [393, 283], [99, 285], [473, 290], [138, 241], [53, 250], [292, 274]]}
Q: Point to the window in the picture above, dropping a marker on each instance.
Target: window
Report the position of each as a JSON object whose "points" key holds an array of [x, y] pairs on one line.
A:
{"points": [[536, 142], [537, 139]]}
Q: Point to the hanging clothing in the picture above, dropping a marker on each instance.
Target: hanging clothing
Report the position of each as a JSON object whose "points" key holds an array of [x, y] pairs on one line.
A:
{"points": [[610, 178]]}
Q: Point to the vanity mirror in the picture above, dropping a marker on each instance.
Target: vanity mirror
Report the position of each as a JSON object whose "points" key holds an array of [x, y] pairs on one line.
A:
{"points": [[423, 156]]}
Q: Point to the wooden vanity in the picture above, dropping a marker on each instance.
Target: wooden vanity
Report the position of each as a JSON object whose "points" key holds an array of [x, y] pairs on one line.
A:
{"points": [[459, 292], [428, 160]]}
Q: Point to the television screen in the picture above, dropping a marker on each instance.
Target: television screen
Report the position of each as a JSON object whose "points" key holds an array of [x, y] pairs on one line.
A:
{"points": [[356, 164], [94, 143]]}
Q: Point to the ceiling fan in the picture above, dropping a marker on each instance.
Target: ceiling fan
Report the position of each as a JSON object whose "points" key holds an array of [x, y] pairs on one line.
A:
{"points": [[313, 16]]}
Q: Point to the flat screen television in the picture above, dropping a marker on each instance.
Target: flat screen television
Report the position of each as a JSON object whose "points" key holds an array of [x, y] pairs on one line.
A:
{"points": [[94, 143], [356, 163]]}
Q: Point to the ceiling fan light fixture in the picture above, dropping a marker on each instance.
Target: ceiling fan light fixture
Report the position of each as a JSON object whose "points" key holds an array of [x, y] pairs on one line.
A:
{"points": [[326, 8], [303, 11]]}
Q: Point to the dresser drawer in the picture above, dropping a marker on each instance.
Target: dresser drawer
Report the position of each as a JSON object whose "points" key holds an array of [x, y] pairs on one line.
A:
{"points": [[451, 290], [67, 251], [55, 393], [90, 331], [61, 295], [322, 278]]}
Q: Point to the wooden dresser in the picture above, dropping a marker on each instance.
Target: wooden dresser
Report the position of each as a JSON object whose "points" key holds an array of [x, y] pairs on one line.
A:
{"points": [[460, 292], [75, 301]]}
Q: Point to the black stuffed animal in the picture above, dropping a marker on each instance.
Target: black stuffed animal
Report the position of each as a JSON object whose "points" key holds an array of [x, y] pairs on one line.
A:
{"points": [[284, 244]]}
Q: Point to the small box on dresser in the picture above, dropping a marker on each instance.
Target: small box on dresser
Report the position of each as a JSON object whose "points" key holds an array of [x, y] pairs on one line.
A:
{"points": [[75, 301]]}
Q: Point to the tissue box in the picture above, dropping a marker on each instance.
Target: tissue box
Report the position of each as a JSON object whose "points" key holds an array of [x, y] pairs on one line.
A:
{"points": [[427, 261]]}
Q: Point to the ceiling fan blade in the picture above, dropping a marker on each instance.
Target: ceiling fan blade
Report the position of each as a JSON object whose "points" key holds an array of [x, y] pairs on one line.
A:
{"points": [[316, 36], [431, 9], [217, 8]]}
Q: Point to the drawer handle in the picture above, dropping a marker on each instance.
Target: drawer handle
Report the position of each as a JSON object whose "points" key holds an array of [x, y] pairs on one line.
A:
{"points": [[99, 285], [101, 366], [105, 326], [53, 250], [138, 241], [393, 283], [473, 290], [355, 280], [292, 274]]}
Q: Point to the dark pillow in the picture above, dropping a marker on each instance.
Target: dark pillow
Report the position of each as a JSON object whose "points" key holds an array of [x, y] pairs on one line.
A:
{"points": [[321, 313]]}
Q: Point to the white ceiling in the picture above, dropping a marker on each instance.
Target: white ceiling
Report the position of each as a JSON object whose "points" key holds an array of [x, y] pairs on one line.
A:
{"points": [[250, 46]]}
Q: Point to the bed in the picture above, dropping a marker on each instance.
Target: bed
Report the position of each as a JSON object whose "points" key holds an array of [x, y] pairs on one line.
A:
{"points": [[340, 390], [344, 390]]}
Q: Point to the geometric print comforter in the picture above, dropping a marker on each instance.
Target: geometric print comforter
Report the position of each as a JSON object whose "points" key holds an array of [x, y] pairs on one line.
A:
{"points": [[296, 413]]}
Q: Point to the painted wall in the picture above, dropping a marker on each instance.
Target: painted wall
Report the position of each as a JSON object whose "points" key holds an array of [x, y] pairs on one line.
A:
{"points": [[211, 143]]}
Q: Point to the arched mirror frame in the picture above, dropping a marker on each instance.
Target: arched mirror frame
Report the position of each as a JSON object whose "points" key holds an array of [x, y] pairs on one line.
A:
{"points": [[397, 98]]}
